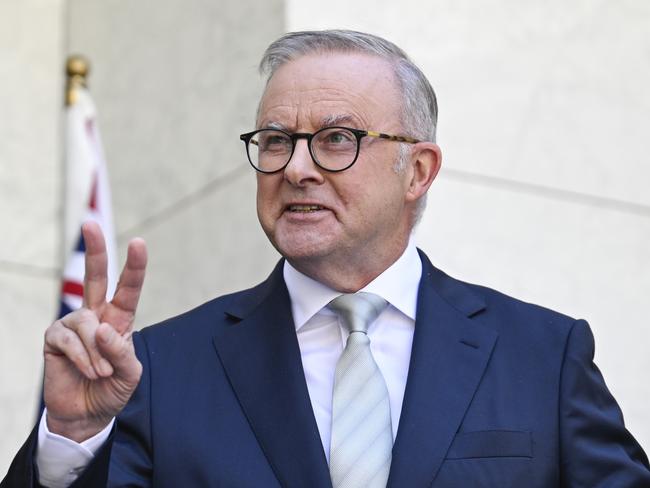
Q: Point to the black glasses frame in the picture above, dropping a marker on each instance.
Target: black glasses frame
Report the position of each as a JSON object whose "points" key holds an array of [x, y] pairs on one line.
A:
{"points": [[358, 133]]}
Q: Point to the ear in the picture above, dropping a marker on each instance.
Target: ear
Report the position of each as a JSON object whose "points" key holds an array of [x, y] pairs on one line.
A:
{"points": [[425, 162]]}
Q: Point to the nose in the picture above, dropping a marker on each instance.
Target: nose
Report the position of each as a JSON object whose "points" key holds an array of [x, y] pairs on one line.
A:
{"points": [[301, 169]]}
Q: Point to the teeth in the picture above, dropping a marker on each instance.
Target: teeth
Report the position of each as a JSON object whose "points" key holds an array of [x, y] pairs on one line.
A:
{"points": [[305, 208]]}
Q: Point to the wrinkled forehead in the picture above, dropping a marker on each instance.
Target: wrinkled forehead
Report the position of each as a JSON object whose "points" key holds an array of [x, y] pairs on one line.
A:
{"points": [[345, 82]]}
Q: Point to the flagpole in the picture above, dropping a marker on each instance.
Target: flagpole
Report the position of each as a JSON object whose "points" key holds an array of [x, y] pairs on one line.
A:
{"points": [[76, 69], [87, 195]]}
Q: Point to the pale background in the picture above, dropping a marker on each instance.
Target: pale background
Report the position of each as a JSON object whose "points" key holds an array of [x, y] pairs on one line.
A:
{"points": [[544, 119]]}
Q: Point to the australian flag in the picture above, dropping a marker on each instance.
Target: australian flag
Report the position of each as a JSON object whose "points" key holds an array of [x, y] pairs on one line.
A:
{"points": [[87, 198]]}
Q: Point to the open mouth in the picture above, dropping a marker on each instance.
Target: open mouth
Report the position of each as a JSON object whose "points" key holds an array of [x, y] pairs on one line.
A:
{"points": [[304, 208]]}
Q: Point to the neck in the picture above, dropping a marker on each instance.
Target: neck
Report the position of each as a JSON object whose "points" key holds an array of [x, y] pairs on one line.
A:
{"points": [[349, 274]]}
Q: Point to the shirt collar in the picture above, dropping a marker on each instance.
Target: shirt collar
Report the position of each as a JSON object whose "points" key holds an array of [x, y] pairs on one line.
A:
{"points": [[398, 285]]}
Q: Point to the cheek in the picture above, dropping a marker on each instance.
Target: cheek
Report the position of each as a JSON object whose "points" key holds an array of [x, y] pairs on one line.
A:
{"points": [[376, 189], [365, 204], [267, 194], [268, 187]]}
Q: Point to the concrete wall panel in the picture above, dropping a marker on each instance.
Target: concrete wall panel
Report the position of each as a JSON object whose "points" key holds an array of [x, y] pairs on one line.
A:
{"points": [[28, 307], [586, 262], [31, 96]]}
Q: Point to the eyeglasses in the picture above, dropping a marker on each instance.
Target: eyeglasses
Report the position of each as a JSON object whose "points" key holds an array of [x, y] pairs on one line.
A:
{"points": [[332, 148]]}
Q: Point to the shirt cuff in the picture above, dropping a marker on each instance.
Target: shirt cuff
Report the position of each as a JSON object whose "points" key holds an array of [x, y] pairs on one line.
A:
{"points": [[60, 460]]}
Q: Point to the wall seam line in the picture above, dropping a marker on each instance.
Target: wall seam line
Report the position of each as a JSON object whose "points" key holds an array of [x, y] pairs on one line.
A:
{"points": [[547, 192]]}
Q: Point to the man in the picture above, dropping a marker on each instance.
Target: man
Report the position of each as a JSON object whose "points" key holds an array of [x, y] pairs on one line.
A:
{"points": [[462, 386]]}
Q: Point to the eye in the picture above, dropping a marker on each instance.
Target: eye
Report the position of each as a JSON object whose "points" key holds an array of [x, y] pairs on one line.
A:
{"points": [[338, 136], [336, 139], [272, 141]]}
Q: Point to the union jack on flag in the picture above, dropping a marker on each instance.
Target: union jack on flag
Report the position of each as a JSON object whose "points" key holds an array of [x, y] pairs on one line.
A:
{"points": [[87, 198]]}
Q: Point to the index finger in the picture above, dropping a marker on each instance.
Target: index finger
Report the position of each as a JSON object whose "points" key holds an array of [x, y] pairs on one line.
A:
{"points": [[96, 259]]}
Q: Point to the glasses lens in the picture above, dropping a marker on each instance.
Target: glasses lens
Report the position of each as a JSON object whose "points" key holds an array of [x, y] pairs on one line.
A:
{"points": [[269, 150], [335, 148]]}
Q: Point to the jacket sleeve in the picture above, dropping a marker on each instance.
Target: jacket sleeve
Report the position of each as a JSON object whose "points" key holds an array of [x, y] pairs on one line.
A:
{"points": [[131, 453], [22, 472], [596, 449]]}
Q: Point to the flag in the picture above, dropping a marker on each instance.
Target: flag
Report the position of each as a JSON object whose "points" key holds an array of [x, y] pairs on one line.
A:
{"points": [[87, 192], [87, 197]]}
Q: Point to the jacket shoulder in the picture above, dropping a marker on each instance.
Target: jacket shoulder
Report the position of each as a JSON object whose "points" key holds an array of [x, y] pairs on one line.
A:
{"points": [[216, 313], [498, 310]]}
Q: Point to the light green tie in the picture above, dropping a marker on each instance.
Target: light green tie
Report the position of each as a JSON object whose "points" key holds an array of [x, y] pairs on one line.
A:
{"points": [[362, 437]]}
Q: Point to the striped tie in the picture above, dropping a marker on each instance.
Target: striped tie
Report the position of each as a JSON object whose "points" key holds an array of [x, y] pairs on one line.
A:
{"points": [[362, 438]]}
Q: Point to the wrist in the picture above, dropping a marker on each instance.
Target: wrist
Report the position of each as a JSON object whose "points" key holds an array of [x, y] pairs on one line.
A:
{"points": [[77, 430]]}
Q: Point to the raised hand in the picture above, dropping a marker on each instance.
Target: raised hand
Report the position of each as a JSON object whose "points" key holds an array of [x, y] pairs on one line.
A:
{"points": [[91, 369]]}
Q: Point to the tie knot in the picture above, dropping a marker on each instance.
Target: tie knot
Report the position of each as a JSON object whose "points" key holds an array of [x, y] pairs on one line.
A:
{"points": [[358, 310]]}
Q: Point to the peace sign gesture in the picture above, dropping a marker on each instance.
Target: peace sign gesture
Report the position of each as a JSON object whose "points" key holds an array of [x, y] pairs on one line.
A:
{"points": [[91, 369]]}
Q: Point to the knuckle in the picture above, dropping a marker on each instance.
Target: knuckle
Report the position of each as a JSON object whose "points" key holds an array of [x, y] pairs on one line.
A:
{"points": [[86, 316], [82, 322], [50, 331], [58, 337], [67, 337]]}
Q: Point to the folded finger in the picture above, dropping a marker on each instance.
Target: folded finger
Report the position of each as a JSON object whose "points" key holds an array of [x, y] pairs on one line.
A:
{"points": [[84, 324], [61, 341], [119, 351]]}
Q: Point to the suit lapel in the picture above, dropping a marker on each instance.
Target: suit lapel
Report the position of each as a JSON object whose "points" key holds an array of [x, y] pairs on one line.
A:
{"points": [[261, 357], [449, 356]]}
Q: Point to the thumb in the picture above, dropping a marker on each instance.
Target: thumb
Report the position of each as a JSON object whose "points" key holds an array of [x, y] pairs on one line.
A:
{"points": [[119, 352]]}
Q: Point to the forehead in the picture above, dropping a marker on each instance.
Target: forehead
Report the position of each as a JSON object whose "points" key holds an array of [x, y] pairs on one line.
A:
{"points": [[308, 91]]}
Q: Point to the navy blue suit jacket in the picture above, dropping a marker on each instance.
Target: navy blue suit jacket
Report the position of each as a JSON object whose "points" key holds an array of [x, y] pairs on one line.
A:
{"points": [[500, 393]]}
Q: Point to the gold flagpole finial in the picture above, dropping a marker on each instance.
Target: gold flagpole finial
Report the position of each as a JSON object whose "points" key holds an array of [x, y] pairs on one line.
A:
{"points": [[77, 69]]}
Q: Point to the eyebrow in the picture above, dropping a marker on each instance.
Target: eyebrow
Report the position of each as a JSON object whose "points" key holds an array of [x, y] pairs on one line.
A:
{"points": [[275, 125], [333, 120], [327, 121]]}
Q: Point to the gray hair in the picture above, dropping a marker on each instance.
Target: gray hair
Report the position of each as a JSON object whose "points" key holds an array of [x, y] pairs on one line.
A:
{"points": [[419, 106]]}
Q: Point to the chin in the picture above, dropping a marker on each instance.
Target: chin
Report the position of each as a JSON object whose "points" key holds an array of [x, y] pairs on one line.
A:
{"points": [[305, 246]]}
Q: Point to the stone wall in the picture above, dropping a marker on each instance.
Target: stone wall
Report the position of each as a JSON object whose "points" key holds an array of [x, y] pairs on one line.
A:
{"points": [[544, 114]]}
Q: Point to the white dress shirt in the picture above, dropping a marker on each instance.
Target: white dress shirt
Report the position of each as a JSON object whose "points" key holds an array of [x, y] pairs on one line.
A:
{"points": [[60, 460], [321, 338]]}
